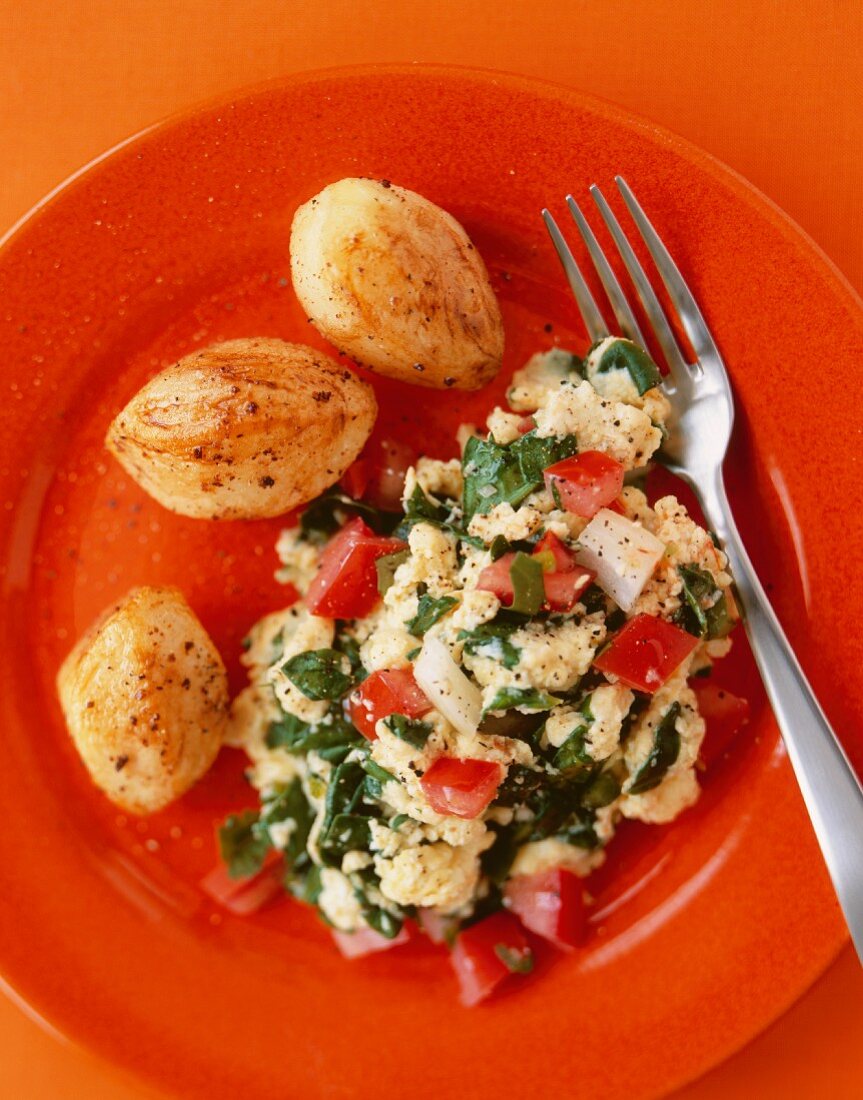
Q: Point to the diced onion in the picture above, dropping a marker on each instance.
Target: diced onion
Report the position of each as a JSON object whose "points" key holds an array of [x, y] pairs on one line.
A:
{"points": [[447, 687], [621, 553]]}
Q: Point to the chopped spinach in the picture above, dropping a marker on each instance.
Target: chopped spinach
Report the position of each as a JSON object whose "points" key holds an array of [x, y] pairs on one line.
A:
{"points": [[330, 738], [496, 474], [520, 782], [666, 747], [528, 587], [492, 640], [704, 612], [412, 730], [325, 515], [319, 673], [346, 833], [386, 569], [524, 698], [624, 355], [572, 757], [499, 546], [243, 844], [429, 611], [516, 960], [307, 887], [291, 804]]}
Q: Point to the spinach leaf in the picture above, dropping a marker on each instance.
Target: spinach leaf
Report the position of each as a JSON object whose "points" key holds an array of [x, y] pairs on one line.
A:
{"points": [[704, 612], [412, 730], [516, 960], [572, 757], [307, 887], [528, 587], [326, 514], [499, 546], [524, 698], [496, 474], [291, 804], [429, 611], [243, 845], [666, 747], [624, 355], [344, 794], [492, 640], [346, 833], [329, 738], [347, 644], [318, 673], [602, 790], [377, 772], [520, 782], [386, 569]]}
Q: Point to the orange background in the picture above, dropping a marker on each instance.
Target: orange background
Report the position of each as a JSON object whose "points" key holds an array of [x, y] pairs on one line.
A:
{"points": [[771, 88]]}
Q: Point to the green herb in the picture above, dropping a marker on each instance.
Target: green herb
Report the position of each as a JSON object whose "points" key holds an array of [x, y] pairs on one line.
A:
{"points": [[386, 569], [377, 772], [492, 640], [523, 698], [346, 833], [243, 845], [344, 794], [572, 757], [624, 355], [499, 547], [666, 747], [325, 515], [420, 508], [329, 738], [495, 474], [308, 886], [528, 587], [603, 788], [290, 804], [520, 782], [412, 730], [318, 673], [414, 653], [429, 611], [516, 960], [705, 610], [398, 821]]}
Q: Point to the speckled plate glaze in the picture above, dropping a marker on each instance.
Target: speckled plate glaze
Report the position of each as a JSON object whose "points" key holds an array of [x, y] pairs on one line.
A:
{"points": [[704, 931]]}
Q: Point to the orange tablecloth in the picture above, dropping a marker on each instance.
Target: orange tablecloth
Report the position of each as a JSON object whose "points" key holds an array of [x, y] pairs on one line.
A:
{"points": [[771, 88]]}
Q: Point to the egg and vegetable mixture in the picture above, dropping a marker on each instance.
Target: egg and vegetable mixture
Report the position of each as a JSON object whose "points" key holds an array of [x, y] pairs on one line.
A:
{"points": [[469, 696]]}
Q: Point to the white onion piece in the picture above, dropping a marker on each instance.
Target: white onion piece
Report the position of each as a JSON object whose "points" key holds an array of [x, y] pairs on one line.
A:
{"points": [[447, 687], [621, 553]]}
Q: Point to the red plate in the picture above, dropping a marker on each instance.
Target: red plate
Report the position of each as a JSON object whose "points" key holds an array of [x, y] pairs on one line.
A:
{"points": [[703, 931]]}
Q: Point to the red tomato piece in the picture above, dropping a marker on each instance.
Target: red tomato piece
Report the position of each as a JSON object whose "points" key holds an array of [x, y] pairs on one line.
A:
{"points": [[461, 788], [365, 941], [564, 559], [586, 482], [525, 425], [645, 652], [392, 691], [244, 896], [551, 904], [617, 506], [346, 584], [378, 475], [486, 953], [563, 585], [724, 715]]}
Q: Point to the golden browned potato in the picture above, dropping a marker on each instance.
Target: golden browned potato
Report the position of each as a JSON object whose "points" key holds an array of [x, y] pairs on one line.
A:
{"points": [[244, 430], [394, 281], [145, 695]]}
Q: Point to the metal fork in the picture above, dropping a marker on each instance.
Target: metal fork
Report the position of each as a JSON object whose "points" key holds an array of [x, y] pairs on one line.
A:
{"points": [[699, 433]]}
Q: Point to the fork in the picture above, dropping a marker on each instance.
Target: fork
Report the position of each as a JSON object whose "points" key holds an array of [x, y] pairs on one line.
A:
{"points": [[700, 429]]}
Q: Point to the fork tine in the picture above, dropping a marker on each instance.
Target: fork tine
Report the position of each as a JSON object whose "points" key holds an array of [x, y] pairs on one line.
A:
{"points": [[680, 294], [652, 308], [593, 319], [625, 317]]}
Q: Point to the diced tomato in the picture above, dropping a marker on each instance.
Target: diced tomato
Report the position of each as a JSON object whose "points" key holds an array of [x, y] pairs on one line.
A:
{"points": [[436, 925], [564, 559], [486, 953], [585, 482], [392, 691], [244, 896], [551, 904], [461, 788], [378, 475], [365, 941], [617, 506], [645, 652], [563, 585], [525, 425], [346, 584], [724, 715]]}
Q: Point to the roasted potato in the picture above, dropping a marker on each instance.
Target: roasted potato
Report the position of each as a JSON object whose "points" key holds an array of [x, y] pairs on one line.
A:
{"points": [[145, 696], [244, 430], [394, 281]]}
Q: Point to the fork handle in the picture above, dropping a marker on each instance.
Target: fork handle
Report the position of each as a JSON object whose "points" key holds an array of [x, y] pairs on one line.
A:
{"points": [[830, 788]]}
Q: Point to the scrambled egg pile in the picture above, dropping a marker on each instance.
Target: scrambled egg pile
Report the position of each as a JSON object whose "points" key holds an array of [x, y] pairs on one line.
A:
{"points": [[573, 743]]}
